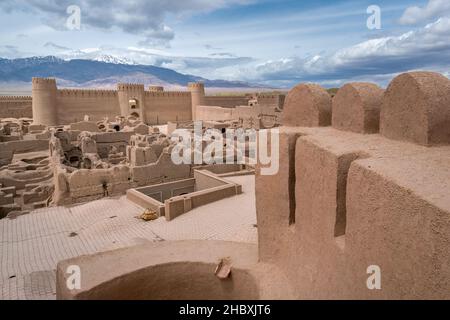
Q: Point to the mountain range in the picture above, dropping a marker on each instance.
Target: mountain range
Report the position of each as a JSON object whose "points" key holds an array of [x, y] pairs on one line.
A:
{"points": [[103, 72]]}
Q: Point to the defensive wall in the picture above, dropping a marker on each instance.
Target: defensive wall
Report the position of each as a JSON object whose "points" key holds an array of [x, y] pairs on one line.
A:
{"points": [[15, 107], [52, 106]]}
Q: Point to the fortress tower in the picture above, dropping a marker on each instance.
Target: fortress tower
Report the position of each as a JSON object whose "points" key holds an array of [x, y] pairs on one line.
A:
{"points": [[44, 101], [197, 90], [131, 100]]}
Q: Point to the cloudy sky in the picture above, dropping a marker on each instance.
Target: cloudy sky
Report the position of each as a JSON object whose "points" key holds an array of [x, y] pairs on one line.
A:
{"points": [[274, 42]]}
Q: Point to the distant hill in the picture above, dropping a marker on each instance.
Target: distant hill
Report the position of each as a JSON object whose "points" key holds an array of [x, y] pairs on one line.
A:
{"points": [[93, 73]]}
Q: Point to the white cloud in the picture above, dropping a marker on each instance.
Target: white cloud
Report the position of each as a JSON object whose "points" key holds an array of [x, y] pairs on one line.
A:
{"points": [[208, 66], [433, 9], [425, 48], [141, 17], [53, 45]]}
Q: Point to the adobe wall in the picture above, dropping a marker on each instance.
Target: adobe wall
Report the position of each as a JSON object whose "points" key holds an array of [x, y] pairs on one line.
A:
{"points": [[214, 113], [344, 201], [267, 99], [162, 107], [52, 106], [15, 107], [73, 105], [264, 99], [226, 101]]}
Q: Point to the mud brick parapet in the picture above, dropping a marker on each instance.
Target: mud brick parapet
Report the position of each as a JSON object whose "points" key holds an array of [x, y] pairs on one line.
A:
{"points": [[344, 200], [85, 93], [15, 107], [156, 88], [356, 108], [15, 98], [416, 108], [307, 105]]}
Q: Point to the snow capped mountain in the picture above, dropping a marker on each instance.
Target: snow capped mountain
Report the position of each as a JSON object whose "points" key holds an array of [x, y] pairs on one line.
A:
{"points": [[100, 71], [94, 54], [114, 59]]}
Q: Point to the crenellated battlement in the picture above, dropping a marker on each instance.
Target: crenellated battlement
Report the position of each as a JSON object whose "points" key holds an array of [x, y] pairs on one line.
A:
{"points": [[15, 98], [199, 85], [36, 80], [130, 87], [86, 93], [167, 94], [156, 88], [356, 187], [267, 96], [43, 84]]}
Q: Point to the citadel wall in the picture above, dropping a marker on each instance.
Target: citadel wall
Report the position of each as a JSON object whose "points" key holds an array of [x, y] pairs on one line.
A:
{"points": [[226, 101], [52, 106], [73, 105], [271, 99], [250, 115], [15, 107], [162, 107]]}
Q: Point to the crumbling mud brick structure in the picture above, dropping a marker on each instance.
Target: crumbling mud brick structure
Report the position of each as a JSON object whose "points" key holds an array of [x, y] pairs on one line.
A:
{"points": [[89, 166], [347, 197]]}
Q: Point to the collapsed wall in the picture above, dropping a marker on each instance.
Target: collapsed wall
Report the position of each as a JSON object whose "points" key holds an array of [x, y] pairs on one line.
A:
{"points": [[88, 166], [344, 201]]}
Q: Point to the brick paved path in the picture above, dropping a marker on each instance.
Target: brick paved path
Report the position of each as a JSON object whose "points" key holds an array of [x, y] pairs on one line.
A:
{"points": [[32, 245]]}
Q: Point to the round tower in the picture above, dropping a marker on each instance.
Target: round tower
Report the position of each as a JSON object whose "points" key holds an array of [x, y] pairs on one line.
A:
{"points": [[197, 90], [44, 101], [156, 89], [131, 100]]}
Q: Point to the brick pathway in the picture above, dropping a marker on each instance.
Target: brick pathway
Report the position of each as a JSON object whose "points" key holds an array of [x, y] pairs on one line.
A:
{"points": [[31, 245]]}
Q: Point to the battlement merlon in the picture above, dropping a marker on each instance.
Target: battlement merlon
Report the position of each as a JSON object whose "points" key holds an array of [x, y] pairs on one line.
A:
{"points": [[156, 88], [130, 87], [15, 98], [199, 85], [86, 92], [43, 84], [167, 94]]}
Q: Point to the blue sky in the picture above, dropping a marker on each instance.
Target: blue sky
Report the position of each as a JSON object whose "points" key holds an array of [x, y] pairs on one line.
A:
{"points": [[274, 42]]}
